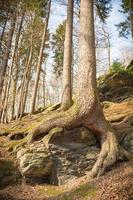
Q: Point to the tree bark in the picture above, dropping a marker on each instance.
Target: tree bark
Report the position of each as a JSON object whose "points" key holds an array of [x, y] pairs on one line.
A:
{"points": [[40, 60], [25, 82], [66, 101], [5, 101], [7, 52], [3, 31]]}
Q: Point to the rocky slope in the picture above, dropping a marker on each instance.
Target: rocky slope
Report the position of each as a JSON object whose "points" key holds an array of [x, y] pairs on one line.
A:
{"points": [[71, 153]]}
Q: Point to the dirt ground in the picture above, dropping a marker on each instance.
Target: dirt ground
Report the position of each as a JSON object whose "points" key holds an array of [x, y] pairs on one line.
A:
{"points": [[114, 185]]}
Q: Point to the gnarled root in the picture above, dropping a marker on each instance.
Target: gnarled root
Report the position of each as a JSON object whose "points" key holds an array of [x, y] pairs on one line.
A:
{"points": [[110, 153], [61, 119], [52, 132]]}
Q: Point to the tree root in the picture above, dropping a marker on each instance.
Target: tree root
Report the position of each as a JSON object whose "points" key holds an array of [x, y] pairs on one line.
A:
{"points": [[60, 119], [110, 153], [52, 132]]}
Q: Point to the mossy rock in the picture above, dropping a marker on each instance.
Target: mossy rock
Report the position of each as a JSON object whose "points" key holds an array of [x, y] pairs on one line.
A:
{"points": [[8, 173]]}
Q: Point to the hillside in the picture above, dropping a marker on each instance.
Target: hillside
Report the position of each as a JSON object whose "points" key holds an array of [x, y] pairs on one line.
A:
{"points": [[68, 156]]}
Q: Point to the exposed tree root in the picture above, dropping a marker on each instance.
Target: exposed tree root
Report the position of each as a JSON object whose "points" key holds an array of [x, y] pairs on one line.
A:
{"points": [[107, 157], [52, 132], [61, 119], [111, 151]]}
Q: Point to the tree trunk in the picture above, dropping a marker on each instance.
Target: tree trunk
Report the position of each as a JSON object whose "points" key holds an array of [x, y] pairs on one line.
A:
{"points": [[25, 82], [7, 52], [3, 97], [40, 60], [13, 62], [3, 31], [107, 43], [5, 101], [86, 111], [44, 88], [66, 101], [23, 103]]}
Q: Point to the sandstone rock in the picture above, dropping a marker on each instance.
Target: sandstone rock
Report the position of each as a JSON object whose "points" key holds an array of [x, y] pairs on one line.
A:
{"points": [[21, 152], [70, 155], [116, 87], [127, 142], [71, 160], [35, 163]]}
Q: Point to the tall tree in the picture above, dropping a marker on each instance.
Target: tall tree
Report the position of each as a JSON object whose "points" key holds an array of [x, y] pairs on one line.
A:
{"points": [[7, 52], [86, 111], [40, 59], [4, 22], [66, 100], [57, 43], [14, 57], [126, 27], [25, 81]]}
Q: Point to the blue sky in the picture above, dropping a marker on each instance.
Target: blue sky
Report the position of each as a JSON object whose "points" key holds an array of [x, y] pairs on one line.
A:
{"points": [[117, 43]]}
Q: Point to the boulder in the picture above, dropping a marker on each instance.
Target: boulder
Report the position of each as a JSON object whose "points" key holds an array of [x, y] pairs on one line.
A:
{"points": [[70, 155], [71, 161], [35, 163], [116, 87], [127, 141]]}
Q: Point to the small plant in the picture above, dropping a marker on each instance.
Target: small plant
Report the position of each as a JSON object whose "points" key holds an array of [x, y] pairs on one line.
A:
{"points": [[116, 67]]}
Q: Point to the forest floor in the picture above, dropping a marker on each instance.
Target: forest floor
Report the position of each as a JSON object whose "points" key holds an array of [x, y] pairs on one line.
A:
{"points": [[116, 184]]}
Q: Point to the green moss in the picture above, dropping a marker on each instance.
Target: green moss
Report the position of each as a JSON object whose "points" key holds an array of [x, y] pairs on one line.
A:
{"points": [[12, 145], [52, 108], [85, 191], [66, 198], [49, 190]]}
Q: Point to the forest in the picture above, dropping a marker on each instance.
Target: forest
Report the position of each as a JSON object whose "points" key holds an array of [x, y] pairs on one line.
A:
{"points": [[66, 99]]}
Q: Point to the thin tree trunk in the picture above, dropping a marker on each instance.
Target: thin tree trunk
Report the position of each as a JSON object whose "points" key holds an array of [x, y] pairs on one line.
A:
{"points": [[25, 83], [40, 60], [44, 88], [5, 103], [66, 101], [3, 31], [14, 92], [107, 42], [22, 84], [13, 59], [7, 52], [3, 98], [23, 103]]}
